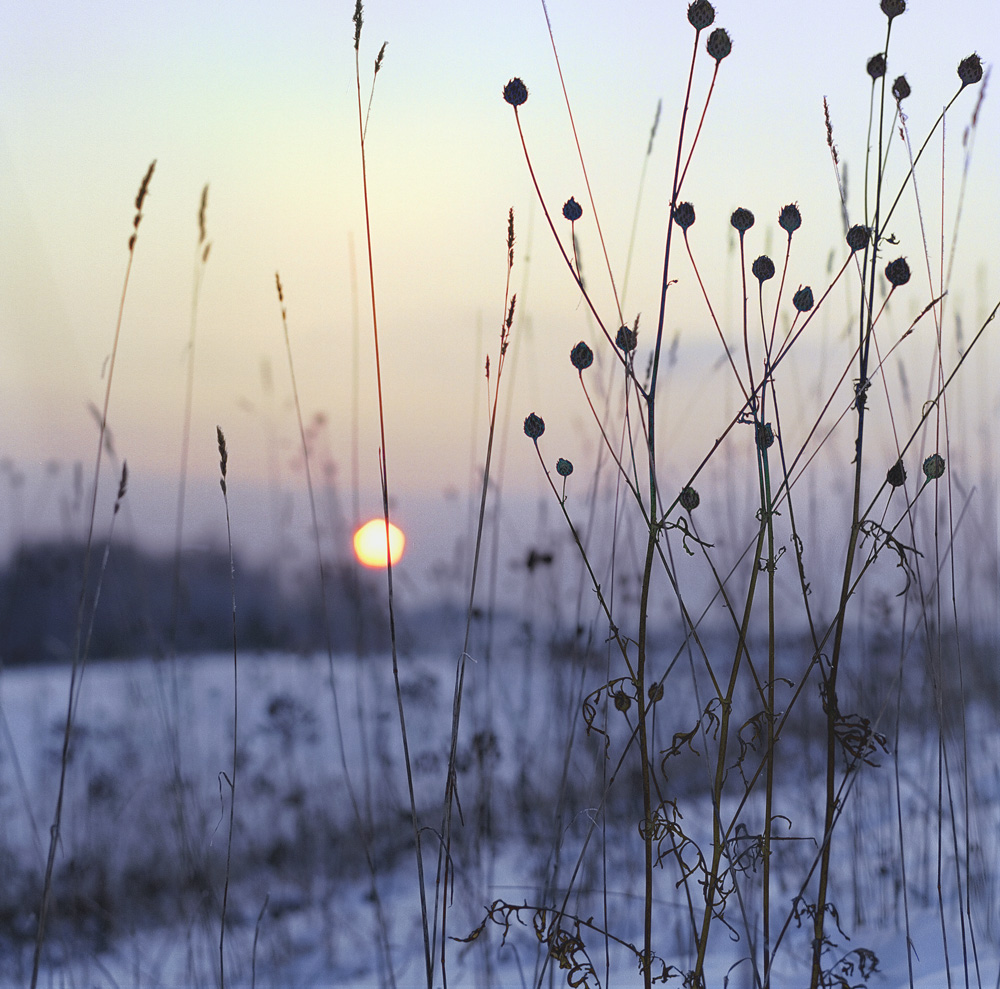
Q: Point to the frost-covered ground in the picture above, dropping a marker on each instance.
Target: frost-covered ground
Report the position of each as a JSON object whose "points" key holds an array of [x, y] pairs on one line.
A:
{"points": [[324, 882]]}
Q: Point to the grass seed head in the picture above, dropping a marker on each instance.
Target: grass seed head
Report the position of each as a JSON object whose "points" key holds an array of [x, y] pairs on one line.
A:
{"points": [[626, 338], [970, 70], [534, 426], [763, 268], [876, 66], [790, 219], [803, 299], [897, 272], [689, 499], [684, 215], [893, 8], [742, 220], [358, 20], [719, 44], [572, 210], [934, 467], [858, 237], [581, 356], [896, 474], [701, 14], [515, 92]]}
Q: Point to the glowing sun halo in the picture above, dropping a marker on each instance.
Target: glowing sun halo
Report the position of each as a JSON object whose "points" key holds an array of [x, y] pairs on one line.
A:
{"points": [[370, 543]]}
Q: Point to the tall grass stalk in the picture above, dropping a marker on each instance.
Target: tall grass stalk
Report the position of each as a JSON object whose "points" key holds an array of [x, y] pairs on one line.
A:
{"points": [[79, 658]]}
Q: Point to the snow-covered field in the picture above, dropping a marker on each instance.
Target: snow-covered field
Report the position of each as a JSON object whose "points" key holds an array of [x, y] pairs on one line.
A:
{"points": [[324, 888]]}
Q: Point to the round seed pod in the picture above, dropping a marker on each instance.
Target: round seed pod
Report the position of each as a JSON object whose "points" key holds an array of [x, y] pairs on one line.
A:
{"points": [[622, 701], [581, 356], [684, 215], [534, 426], [900, 88], [896, 474], [763, 268], [626, 338], [803, 299], [898, 272], [970, 70], [742, 219], [564, 467], [858, 237], [790, 219], [765, 435], [876, 66], [572, 210], [934, 467], [719, 44], [655, 692], [700, 14], [515, 92], [893, 8], [689, 499]]}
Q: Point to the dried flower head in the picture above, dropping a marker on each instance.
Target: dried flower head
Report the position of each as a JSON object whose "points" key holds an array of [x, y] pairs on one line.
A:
{"points": [[655, 692], [684, 215], [626, 338], [790, 219], [622, 701], [893, 8], [898, 272], [900, 88], [689, 499], [876, 66], [970, 70], [858, 237], [564, 467], [581, 356], [764, 435], [934, 467], [742, 219], [572, 210], [763, 268], [534, 426], [515, 92], [700, 14], [803, 299], [896, 474], [719, 44]]}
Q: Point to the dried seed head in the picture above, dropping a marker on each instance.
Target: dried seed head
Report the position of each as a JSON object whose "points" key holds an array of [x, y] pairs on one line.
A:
{"points": [[564, 467], [572, 210], [803, 299], [689, 499], [622, 701], [893, 8], [763, 268], [719, 44], [626, 338], [742, 220], [581, 356], [655, 692], [876, 66], [534, 426], [700, 14], [765, 435], [684, 215], [898, 272], [934, 467], [900, 88], [515, 92], [790, 219], [896, 474], [970, 70], [858, 237]]}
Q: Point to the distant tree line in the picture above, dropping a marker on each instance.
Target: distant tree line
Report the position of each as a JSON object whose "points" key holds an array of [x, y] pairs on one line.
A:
{"points": [[138, 612]]}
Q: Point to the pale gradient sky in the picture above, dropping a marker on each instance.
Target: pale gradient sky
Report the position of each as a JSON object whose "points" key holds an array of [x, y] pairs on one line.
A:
{"points": [[258, 99]]}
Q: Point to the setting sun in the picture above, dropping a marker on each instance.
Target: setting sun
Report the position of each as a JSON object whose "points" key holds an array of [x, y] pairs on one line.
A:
{"points": [[370, 543]]}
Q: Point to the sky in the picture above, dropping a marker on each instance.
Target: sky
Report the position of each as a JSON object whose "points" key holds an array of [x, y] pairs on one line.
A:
{"points": [[259, 101]]}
